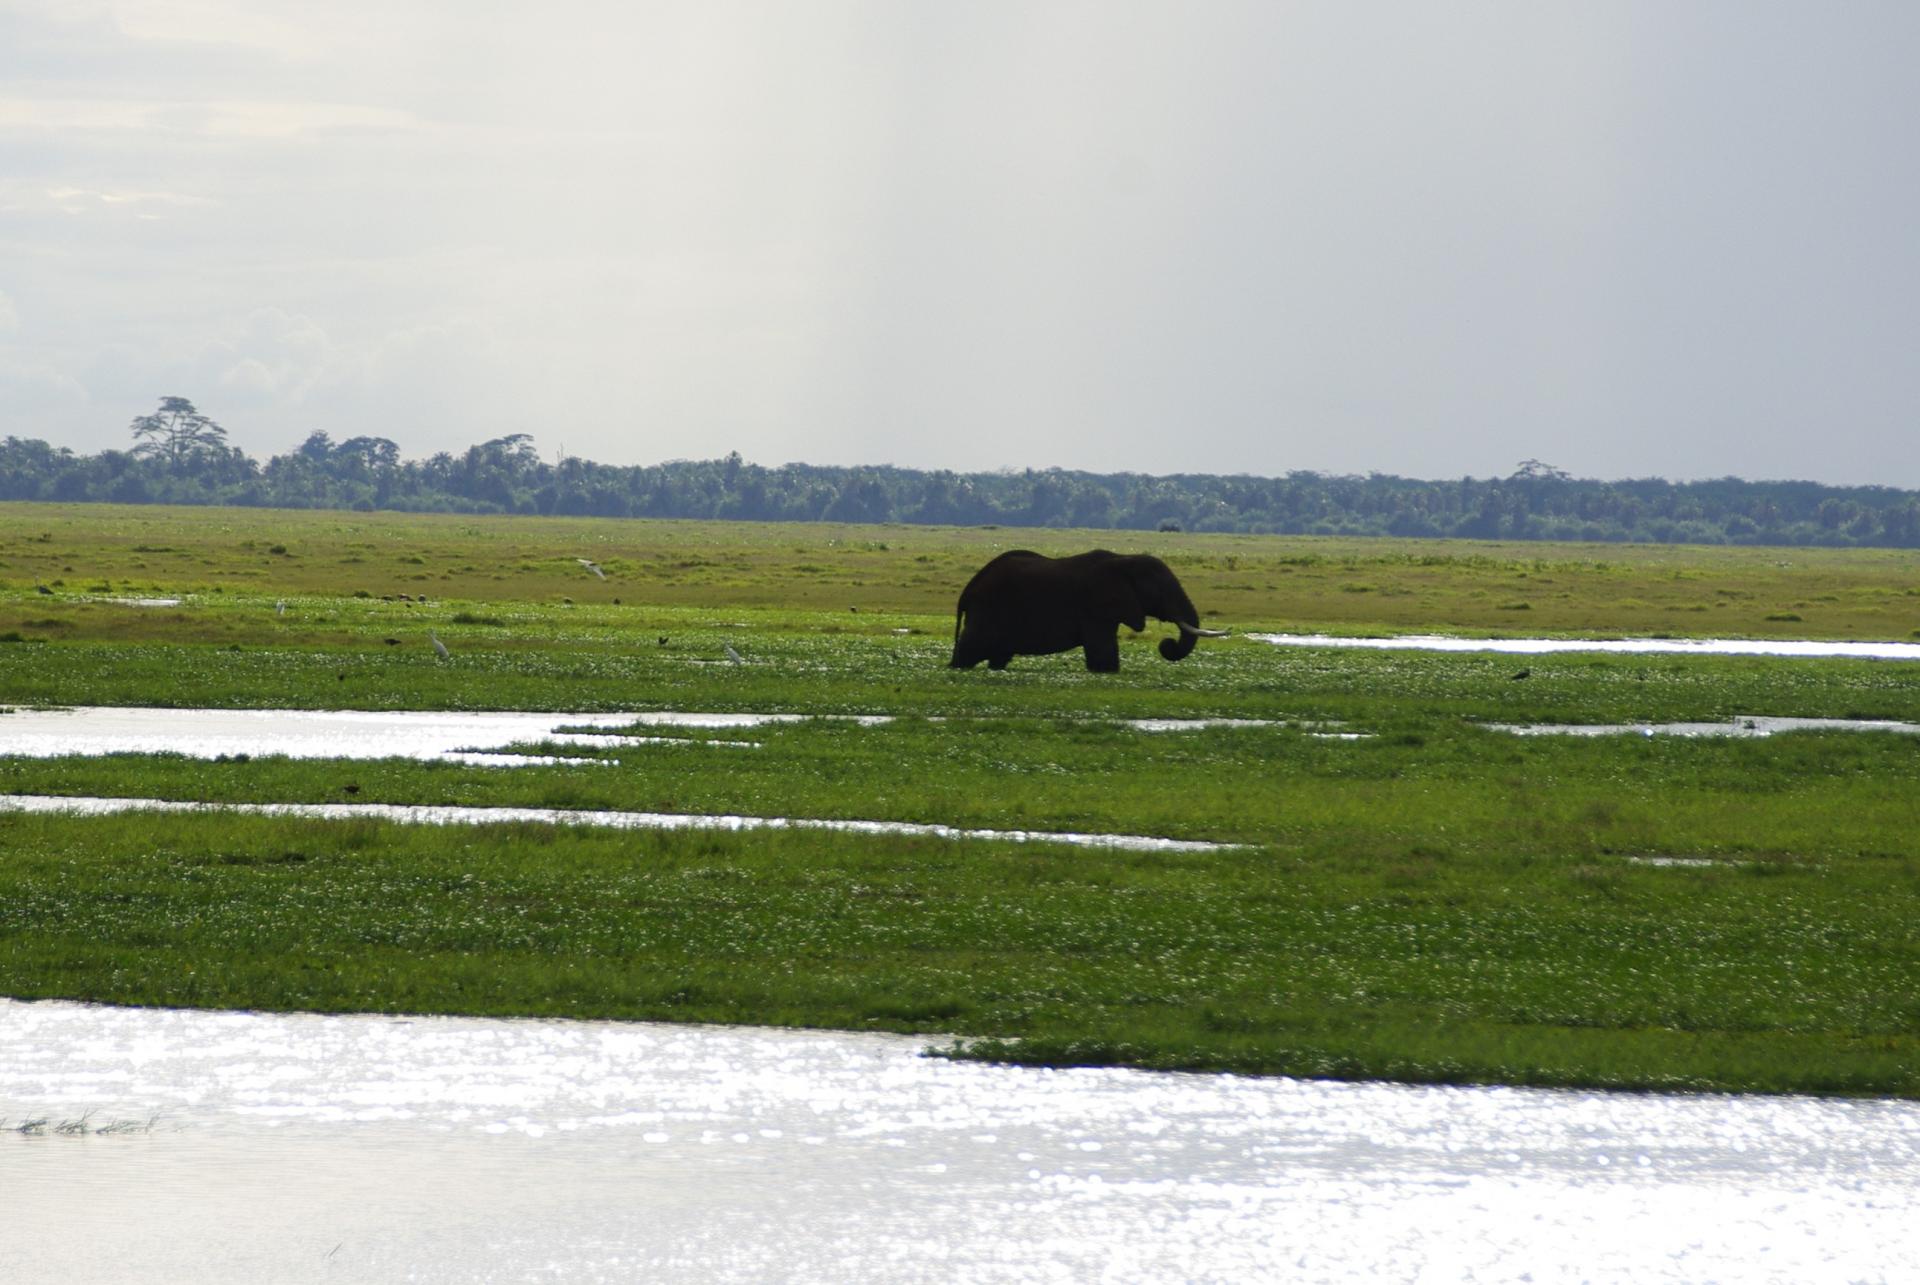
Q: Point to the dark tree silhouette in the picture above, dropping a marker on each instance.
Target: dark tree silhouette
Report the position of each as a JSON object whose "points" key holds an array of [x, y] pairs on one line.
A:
{"points": [[177, 433], [182, 458]]}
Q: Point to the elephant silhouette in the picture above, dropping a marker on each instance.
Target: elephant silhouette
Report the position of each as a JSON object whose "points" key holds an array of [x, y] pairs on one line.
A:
{"points": [[1026, 604]]}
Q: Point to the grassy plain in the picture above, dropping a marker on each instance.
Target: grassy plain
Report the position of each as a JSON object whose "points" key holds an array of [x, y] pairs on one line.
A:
{"points": [[1436, 901]]}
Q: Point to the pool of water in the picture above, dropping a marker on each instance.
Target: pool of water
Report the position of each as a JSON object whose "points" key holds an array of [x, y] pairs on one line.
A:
{"points": [[296, 1147], [1631, 646], [465, 736], [1743, 725], [481, 738], [442, 814]]}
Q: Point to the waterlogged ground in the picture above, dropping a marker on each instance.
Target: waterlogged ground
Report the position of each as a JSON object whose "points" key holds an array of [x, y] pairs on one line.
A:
{"points": [[1608, 646], [1741, 725], [1484, 906], [144, 1145], [405, 814], [1373, 805]]}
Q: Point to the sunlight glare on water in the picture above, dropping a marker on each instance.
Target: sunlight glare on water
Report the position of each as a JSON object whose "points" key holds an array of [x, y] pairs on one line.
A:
{"points": [[302, 1147], [1629, 646], [1746, 726], [445, 814], [466, 736]]}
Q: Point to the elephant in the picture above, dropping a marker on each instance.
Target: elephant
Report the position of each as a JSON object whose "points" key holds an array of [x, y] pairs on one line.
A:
{"points": [[1027, 604]]}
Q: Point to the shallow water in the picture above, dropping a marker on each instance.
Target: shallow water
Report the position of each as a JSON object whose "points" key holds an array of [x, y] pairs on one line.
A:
{"points": [[1745, 725], [472, 737], [300, 1147], [1636, 646], [436, 814], [448, 736]]}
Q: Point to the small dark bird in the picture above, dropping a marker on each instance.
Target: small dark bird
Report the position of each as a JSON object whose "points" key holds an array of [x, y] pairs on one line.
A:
{"points": [[40, 588], [854, 609], [391, 642], [1525, 673], [352, 789], [342, 676], [663, 640]]}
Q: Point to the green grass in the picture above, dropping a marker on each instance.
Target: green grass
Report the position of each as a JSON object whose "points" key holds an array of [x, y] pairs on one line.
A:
{"points": [[1435, 902], [1773, 974], [86, 552]]}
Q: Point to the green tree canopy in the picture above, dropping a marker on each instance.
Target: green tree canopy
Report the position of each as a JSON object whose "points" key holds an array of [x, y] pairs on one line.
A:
{"points": [[177, 433]]}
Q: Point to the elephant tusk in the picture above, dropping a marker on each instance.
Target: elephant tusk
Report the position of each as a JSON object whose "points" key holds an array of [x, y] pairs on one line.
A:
{"points": [[1186, 628]]}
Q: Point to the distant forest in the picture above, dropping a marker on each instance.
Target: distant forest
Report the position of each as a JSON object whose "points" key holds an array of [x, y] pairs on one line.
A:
{"points": [[181, 457]]}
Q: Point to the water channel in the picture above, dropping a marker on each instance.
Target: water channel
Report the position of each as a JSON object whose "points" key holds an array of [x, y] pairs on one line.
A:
{"points": [[231, 1147], [1617, 646]]}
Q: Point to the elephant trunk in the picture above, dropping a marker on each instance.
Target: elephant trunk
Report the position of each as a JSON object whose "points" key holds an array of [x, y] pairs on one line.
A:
{"points": [[1180, 646]]}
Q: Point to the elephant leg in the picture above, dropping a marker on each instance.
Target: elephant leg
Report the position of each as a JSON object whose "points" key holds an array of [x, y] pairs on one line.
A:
{"points": [[1103, 651], [1001, 661], [967, 652]]}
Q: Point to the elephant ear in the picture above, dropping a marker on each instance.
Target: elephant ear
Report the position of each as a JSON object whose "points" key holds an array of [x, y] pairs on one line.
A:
{"points": [[1158, 590], [1114, 596]]}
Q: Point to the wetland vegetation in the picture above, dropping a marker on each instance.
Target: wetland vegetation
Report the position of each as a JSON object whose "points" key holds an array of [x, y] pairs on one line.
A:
{"points": [[1431, 900]]}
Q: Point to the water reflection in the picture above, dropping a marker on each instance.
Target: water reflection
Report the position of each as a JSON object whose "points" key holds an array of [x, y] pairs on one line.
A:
{"points": [[446, 814], [463, 736], [300, 1147], [453, 736], [1630, 646], [1741, 725]]}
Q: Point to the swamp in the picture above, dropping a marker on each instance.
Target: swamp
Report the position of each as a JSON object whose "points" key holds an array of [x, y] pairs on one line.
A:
{"points": [[1400, 887]]}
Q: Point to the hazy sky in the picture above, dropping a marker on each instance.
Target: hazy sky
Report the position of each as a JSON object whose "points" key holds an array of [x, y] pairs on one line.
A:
{"points": [[1677, 238]]}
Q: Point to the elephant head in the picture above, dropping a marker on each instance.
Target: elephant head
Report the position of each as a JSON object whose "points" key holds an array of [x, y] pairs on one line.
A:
{"points": [[1023, 603]]}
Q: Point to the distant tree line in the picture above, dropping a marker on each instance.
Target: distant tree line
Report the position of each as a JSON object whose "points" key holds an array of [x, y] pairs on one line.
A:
{"points": [[182, 457]]}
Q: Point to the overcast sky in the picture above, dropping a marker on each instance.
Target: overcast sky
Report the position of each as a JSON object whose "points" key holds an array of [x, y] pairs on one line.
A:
{"points": [[1676, 238]]}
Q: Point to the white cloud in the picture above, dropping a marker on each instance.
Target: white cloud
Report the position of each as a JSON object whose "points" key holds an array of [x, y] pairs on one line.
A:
{"points": [[288, 30], [1244, 237], [256, 119], [38, 396]]}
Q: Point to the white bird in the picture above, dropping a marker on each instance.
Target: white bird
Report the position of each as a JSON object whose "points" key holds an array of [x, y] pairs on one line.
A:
{"points": [[280, 607], [592, 566], [732, 655], [438, 646]]}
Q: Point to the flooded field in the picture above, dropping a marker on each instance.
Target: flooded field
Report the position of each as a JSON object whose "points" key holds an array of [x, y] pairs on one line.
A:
{"points": [[1742, 725], [452, 735], [426, 814], [1620, 646], [143, 1144], [309, 1148]]}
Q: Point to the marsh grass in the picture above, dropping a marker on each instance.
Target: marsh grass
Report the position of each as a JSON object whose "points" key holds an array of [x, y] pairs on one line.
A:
{"points": [[1422, 963], [77, 1127], [1436, 901], [1445, 786]]}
